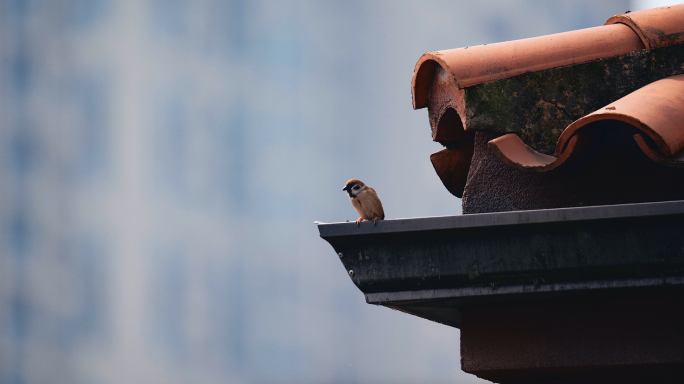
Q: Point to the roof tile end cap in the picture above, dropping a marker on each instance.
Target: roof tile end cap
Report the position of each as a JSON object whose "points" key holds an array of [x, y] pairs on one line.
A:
{"points": [[657, 27], [656, 109], [422, 77]]}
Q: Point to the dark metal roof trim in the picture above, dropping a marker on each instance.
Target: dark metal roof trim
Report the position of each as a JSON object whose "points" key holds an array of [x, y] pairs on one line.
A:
{"points": [[433, 267], [395, 298], [330, 230]]}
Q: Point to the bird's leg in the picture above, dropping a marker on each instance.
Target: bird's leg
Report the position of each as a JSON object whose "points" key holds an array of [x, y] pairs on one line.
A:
{"points": [[358, 222], [375, 220]]}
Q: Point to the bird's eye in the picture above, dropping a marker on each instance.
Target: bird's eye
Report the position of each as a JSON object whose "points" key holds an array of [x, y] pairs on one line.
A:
{"points": [[356, 187]]}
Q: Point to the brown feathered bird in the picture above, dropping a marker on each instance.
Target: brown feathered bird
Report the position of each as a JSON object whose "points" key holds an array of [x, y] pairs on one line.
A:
{"points": [[365, 200]]}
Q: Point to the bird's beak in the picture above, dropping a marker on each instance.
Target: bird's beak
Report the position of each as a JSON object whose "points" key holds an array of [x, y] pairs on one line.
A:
{"points": [[345, 188]]}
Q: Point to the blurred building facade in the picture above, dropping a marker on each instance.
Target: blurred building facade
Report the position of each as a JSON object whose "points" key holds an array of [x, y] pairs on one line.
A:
{"points": [[162, 162]]}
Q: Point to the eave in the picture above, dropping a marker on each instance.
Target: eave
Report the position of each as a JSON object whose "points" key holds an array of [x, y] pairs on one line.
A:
{"points": [[432, 267]]}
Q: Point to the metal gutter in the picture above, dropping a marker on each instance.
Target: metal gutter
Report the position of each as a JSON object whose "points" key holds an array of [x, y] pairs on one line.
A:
{"points": [[431, 267]]}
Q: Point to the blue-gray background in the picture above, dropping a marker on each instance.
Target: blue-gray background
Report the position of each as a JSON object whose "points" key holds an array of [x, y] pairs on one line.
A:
{"points": [[162, 163]]}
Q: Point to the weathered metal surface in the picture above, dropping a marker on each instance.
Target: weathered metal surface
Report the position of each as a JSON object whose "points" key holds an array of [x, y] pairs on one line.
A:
{"points": [[657, 27], [657, 110], [428, 266], [485, 63], [445, 305]]}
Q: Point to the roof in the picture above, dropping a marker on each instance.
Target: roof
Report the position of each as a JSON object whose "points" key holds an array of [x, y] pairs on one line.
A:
{"points": [[471, 66], [540, 94], [620, 35]]}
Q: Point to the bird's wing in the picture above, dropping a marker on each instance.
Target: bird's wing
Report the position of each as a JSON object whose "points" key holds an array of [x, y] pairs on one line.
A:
{"points": [[375, 205]]}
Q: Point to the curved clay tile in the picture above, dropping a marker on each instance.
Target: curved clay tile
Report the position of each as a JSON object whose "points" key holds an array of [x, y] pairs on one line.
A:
{"points": [[515, 153], [452, 166], [676, 161], [657, 27], [657, 110], [484, 63]]}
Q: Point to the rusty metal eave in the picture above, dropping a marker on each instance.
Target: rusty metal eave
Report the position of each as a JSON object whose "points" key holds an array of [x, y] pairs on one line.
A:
{"points": [[431, 267]]}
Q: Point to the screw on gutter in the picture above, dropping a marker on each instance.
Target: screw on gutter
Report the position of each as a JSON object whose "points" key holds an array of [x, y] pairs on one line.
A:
{"points": [[351, 273], [340, 255]]}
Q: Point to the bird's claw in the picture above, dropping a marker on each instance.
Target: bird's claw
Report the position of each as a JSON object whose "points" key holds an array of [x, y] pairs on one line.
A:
{"points": [[358, 222]]}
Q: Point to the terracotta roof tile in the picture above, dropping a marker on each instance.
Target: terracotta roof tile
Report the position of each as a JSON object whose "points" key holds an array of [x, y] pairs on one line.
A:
{"points": [[469, 66], [657, 27], [656, 109], [632, 66], [676, 161], [484, 63], [452, 167]]}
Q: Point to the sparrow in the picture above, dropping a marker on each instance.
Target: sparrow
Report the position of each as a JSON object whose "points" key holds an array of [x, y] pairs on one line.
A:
{"points": [[365, 200]]}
